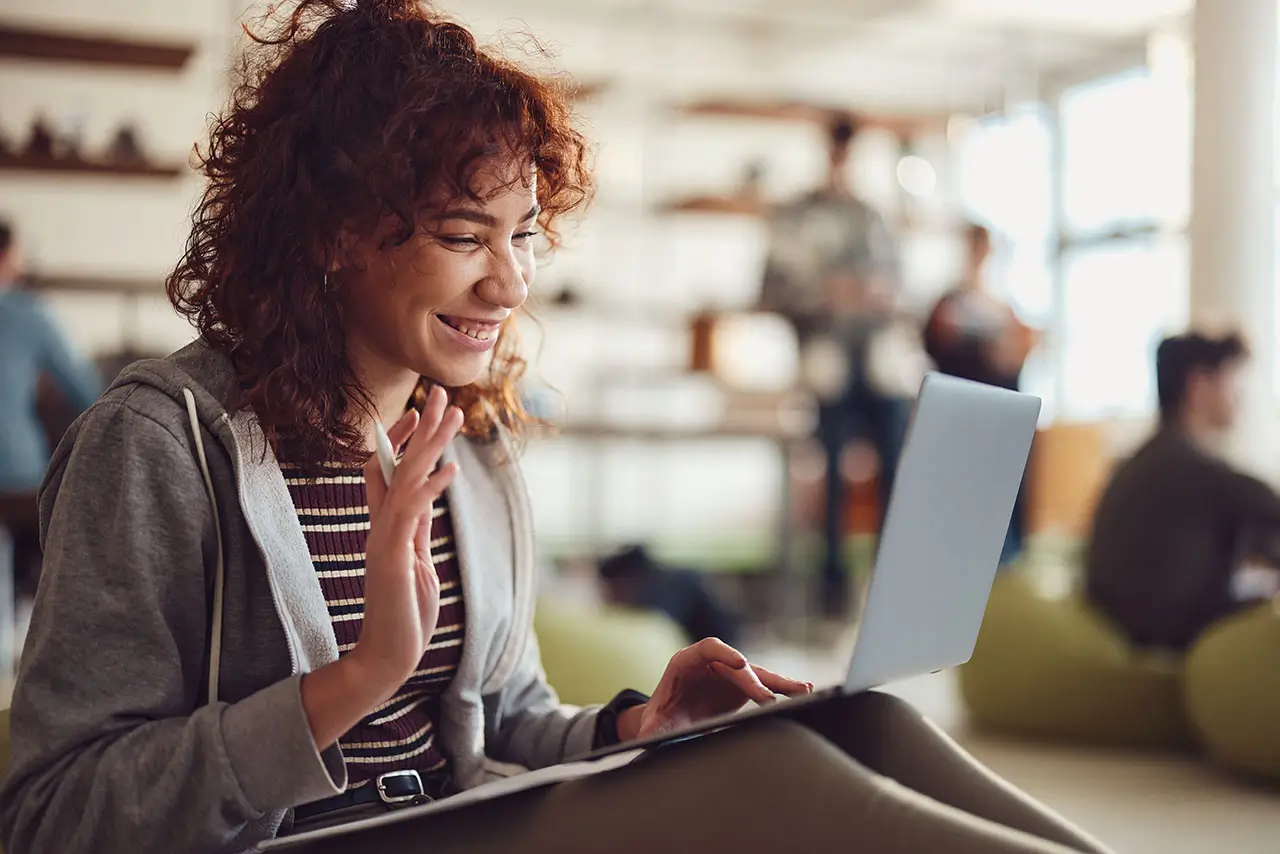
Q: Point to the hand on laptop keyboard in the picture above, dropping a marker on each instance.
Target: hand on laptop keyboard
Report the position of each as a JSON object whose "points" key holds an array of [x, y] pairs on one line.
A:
{"points": [[704, 681]]}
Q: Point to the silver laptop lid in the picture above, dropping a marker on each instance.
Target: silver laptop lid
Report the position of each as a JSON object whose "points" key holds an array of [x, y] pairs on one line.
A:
{"points": [[943, 531]]}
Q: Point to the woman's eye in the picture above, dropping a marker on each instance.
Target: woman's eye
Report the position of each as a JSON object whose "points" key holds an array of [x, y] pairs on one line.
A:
{"points": [[459, 241], [524, 236]]}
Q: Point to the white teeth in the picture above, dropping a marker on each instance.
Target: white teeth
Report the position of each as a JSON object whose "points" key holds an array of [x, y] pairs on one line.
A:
{"points": [[478, 334]]}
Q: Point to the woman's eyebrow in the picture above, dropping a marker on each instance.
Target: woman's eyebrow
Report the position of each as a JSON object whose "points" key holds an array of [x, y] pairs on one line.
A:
{"points": [[481, 218]]}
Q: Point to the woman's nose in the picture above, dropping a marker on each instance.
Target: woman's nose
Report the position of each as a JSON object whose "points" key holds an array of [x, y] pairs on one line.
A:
{"points": [[507, 285]]}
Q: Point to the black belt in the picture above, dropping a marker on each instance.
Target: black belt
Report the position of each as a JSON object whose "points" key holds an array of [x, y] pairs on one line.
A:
{"points": [[391, 790]]}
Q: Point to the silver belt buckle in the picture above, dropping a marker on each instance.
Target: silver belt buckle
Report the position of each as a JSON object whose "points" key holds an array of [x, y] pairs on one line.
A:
{"points": [[397, 796]]}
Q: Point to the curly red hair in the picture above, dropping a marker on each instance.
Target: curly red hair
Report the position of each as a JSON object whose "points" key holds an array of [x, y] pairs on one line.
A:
{"points": [[352, 112]]}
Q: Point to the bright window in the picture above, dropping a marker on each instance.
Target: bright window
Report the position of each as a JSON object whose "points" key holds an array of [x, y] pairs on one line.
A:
{"points": [[1121, 298], [1126, 152], [1006, 174], [1006, 183], [1126, 164], [1022, 273]]}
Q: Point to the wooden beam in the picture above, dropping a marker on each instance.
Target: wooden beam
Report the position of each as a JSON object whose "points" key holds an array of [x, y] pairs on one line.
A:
{"points": [[588, 89], [809, 113], [96, 284], [574, 89], [51, 46], [731, 205], [77, 166], [747, 207]]}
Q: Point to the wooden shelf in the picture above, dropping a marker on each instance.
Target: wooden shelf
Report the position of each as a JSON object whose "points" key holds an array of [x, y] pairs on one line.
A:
{"points": [[579, 90], [789, 430], [52, 46], [771, 111], [745, 207], [592, 310], [33, 163], [728, 205], [820, 114], [91, 284]]}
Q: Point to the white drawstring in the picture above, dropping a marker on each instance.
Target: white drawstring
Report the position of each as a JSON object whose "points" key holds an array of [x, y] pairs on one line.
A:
{"points": [[215, 642]]}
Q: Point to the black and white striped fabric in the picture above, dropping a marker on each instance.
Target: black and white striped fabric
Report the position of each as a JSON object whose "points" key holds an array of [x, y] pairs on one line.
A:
{"points": [[400, 734]]}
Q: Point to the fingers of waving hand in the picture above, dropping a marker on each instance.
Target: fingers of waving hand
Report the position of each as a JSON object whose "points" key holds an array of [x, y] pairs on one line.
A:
{"points": [[426, 582], [422, 539], [440, 423], [408, 510], [417, 481], [375, 485]]}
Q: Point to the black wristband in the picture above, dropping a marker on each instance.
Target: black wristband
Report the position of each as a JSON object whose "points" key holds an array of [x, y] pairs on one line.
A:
{"points": [[607, 718]]}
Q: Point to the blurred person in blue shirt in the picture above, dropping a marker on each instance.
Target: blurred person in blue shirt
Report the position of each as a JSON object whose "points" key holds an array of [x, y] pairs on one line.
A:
{"points": [[31, 346]]}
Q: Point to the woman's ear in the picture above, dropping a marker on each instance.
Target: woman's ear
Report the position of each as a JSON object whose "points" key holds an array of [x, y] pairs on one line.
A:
{"points": [[346, 251]]}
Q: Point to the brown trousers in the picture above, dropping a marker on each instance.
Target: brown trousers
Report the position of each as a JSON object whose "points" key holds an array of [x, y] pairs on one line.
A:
{"points": [[864, 774]]}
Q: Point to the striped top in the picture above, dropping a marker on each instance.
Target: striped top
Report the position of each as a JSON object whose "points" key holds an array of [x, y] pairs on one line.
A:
{"points": [[400, 733]]}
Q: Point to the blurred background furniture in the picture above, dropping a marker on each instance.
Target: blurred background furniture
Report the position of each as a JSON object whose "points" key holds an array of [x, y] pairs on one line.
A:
{"points": [[590, 655], [1233, 692], [1052, 668]]}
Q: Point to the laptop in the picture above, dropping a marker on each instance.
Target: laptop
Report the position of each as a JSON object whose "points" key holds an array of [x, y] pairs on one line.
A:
{"points": [[961, 467]]}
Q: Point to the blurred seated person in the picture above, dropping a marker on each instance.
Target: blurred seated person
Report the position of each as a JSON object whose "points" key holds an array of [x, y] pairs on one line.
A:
{"points": [[31, 347], [1176, 522], [632, 578], [974, 335]]}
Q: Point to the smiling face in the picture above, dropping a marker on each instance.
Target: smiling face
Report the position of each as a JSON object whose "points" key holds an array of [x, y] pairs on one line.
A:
{"points": [[434, 305]]}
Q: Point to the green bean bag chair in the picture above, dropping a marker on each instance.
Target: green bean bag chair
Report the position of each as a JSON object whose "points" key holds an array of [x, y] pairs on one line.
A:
{"points": [[1232, 690], [1055, 669], [591, 654]]}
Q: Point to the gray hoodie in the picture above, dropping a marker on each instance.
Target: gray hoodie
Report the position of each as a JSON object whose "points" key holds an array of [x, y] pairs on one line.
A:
{"points": [[116, 747]]}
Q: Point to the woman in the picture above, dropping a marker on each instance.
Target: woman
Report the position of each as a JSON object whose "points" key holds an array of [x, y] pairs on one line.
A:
{"points": [[243, 631], [973, 335]]}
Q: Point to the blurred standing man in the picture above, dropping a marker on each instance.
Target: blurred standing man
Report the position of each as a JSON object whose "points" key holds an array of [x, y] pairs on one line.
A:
{"points": [[31, 346], [833, 273]]}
